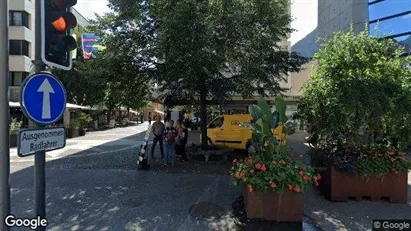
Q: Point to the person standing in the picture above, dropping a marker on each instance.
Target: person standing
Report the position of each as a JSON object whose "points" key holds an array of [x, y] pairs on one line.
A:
{"points": [[157, 129], [181, 141], [170, 140], [149, 119]]}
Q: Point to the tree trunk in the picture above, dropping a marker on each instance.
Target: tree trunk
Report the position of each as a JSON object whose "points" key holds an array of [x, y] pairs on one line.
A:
{"points": [[203, 117], [128, 112], [109, 116]]}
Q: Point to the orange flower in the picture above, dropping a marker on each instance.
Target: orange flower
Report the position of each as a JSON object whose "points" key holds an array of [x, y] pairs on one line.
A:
{"points": [[301, 172], [297, 189], [250, 188], [242, 174], [250, 160], [283, 162], [318, 177], [306, 178], [263, 168], [258, 166], [273, 185], [252, 171], [315, 178], [290, 187], [237, 175], [274, 162]]}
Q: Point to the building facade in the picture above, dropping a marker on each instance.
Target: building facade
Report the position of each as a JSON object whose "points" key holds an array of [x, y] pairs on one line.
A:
{"points": [[320, 19], [21, 42], [391, 19]]}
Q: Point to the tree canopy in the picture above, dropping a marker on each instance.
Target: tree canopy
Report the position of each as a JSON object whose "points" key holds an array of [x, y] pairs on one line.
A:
{"points": [[115, 76], [210, 49], [360, 94]]}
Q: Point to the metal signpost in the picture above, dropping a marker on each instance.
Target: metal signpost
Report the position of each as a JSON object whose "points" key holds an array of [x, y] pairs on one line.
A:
{"points": [[4, 116], [43, 101]]}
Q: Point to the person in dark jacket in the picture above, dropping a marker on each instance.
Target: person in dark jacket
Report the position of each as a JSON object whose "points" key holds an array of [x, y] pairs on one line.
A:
{"points": [[158, 131], [181, 141]]}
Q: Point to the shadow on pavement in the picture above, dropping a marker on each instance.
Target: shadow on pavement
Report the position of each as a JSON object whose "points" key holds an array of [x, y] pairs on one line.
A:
{"points": [[92, 191], [89, 191]]}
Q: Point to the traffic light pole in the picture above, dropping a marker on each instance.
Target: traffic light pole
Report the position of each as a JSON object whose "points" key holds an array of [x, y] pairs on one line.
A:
{"points": [[39, 157], [4, 116]]}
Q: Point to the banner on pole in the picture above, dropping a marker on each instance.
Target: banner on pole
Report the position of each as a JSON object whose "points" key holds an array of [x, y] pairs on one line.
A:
{"points": [[91, 43]]}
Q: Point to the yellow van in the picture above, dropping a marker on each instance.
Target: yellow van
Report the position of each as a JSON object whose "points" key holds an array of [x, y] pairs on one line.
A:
{"points": [[225, 130]]}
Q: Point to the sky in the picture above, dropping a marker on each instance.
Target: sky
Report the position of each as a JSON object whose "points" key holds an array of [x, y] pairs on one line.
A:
{"points": [[304, 13], [89, 7]]}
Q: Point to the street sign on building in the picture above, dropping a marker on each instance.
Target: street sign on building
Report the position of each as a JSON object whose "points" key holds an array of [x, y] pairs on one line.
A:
{"points": [[31, 141], [43, 98]]}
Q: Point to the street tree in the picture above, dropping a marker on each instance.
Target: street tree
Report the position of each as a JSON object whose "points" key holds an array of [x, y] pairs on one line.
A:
{"points": [[359, 96], [114, 76], [204, 51], [208, 50]]}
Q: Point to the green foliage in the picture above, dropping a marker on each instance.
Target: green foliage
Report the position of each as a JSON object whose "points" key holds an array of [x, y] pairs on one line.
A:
{"points": [[380, 164], [74, 123], [15, 126], [115, 76], [210, 50], [359, 100], [275, 175], [263, 139], [271, 169]]}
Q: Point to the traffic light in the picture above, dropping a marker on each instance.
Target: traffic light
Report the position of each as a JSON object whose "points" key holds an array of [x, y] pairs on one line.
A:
{"points": [[57, 41]]}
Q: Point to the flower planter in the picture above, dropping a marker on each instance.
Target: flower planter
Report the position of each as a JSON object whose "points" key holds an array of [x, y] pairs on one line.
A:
{"points": [[285, 206], [342, 186]]}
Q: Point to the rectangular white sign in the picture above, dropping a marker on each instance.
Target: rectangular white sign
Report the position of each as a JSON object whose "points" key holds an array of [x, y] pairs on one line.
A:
{"points": [[40, 139]]}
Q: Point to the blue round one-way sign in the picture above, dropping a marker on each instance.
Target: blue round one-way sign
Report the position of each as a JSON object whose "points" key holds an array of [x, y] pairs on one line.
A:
{"points": [[43, 98]]}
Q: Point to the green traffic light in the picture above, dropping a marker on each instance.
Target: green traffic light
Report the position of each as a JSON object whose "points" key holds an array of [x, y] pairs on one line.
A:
{"points": [[60, 45]]}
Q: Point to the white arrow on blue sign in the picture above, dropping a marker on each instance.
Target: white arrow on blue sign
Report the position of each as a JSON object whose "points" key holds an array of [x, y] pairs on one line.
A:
{"points": [[43, 98]]}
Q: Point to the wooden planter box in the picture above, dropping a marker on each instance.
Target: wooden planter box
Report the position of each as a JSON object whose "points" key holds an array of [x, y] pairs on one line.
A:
{"points": [[342, 186], [285, 206]]}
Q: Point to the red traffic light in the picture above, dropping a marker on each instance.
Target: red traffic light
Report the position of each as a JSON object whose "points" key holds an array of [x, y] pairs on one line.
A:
{"points": [[66, 22], [63, 4]]}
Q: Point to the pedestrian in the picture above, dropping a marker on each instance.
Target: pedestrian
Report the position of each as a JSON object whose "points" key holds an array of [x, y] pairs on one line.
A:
{"points": [[142, 118], [157, 129], [170, 140], [149, 120], [181, 140]]}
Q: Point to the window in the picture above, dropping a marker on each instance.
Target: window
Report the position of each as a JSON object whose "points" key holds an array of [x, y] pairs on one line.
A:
{"points": [[216, 123], [19, 47], [388, 8], [19, 18], [17, 78], [391, 27]]}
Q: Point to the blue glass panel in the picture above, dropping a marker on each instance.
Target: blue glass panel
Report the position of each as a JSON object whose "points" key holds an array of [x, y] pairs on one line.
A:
{"points": [[391, 27], [388, 8]]}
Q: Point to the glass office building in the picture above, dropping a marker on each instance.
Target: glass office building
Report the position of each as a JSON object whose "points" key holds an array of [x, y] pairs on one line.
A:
{"points": [[391, 19]]}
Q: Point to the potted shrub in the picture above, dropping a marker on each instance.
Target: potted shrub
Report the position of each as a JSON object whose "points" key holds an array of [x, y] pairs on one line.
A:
{"points": [[73, 131], [358, 102], [84, 120], [14, 128], [273, 180]]}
